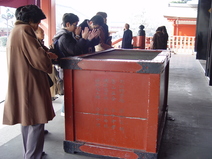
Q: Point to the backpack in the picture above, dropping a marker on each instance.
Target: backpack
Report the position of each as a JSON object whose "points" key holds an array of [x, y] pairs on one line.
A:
{"points": [[54, 48]]}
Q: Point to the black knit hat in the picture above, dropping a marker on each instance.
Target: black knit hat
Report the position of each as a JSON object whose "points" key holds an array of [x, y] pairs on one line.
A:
{"points": [[30, 13]]}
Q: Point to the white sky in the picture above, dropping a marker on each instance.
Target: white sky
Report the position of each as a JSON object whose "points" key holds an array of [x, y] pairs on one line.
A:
{"points": [[135, 12], [117, 10]]}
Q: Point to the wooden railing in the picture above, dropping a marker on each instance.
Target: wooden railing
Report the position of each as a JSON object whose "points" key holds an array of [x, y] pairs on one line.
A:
{"points": [[177, 44], [181, 44]]}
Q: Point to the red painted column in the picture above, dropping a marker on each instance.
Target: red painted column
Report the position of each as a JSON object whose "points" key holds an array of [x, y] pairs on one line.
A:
{"points": [[49, 24]]}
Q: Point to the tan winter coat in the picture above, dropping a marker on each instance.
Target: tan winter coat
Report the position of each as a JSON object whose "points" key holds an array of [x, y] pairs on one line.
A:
{"points": [[28, 99]]}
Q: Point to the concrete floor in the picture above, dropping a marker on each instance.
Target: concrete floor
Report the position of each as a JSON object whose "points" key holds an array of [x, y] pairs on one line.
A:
{"points": [[189, 136]]}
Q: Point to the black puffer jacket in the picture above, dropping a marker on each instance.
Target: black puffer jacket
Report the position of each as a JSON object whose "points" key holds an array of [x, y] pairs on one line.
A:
{"points": [[69, 45]]}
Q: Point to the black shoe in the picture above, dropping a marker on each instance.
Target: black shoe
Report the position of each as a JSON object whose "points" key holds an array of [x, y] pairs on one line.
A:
{"points": [[43, 153], [46, 132]]}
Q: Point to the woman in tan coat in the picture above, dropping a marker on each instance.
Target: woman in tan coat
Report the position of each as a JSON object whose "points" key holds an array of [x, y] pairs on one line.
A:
{"points": [[28, 99]]}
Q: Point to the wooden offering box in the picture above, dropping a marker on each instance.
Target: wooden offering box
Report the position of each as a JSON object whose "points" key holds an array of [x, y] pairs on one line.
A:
{"points": [[116, 102]]}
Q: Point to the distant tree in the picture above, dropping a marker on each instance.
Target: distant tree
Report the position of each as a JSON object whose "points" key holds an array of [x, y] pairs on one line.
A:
{"points": [[142, 17], [3, 41], [137, 20], [7, 16]]}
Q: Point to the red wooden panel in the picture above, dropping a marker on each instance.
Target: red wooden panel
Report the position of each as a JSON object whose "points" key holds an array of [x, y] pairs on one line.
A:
{"points": [[153, 109], [110, 130], [69, 110], [111, 93]]}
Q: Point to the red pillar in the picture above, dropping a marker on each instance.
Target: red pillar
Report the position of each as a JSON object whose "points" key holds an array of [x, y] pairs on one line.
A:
{"points": [[48, 24]]}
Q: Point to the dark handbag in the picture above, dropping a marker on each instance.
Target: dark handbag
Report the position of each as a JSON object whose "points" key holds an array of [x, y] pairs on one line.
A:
{"points": [[51, 83]]}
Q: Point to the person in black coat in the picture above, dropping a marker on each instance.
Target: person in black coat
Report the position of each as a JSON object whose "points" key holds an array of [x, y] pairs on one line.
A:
{"points": [[164, 31], [93, 24], [105, 40], [127, 38], [159, 40], [69, 42]]}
